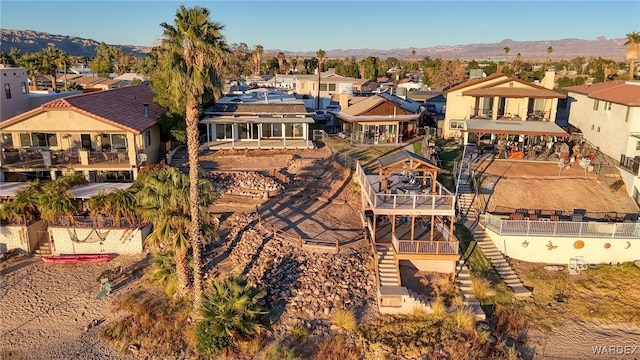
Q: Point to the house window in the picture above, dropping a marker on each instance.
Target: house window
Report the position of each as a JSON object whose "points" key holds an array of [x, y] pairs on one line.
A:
{"points": [[119, 141], [23, 87], [147, 138], [637, 145], [7, 91], [607, 105], [332, 87], [456, 124], [595, 104], [38, 140], [324, 87]]}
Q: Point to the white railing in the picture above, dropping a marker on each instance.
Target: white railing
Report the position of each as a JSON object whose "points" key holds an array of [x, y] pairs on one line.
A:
{"points": [[561, 228], [443, 198], [424, 247]]}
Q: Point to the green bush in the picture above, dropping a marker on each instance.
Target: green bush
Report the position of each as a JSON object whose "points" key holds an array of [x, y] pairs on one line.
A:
{"points": [[208, 342], [231, 312]]}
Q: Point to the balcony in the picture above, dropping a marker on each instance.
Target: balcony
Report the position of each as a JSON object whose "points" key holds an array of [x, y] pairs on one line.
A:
{"points": [[411, 202], [630, 164], [108, 157], [37, 158]]}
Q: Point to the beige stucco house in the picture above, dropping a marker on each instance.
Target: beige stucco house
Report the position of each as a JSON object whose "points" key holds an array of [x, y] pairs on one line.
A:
{"points": [[107, 135], [608, 115], [330, 84], [499, 97]]}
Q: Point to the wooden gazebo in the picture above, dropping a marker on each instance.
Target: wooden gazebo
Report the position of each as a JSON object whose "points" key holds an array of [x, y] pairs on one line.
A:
{"points": [[404, 161]]}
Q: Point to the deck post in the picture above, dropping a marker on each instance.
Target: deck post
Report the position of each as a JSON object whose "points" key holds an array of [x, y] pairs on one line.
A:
{"points": [[413, 227], [432, 222], [393, 225], [451, 228], [375, 225]]}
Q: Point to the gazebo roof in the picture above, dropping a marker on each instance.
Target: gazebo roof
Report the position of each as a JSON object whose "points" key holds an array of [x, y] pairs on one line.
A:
{"points": [[402, 156]]}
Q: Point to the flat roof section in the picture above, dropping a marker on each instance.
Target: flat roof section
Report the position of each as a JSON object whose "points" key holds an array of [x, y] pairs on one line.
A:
{"points": [[9, 189], [513, 127]]}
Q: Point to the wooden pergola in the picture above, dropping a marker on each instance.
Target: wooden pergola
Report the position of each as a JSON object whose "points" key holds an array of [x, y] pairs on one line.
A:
{"points": [[503, 128], [403, 161]]}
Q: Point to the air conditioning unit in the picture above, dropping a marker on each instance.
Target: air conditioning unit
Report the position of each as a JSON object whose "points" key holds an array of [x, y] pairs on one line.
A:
{"points": [[142, 158]]}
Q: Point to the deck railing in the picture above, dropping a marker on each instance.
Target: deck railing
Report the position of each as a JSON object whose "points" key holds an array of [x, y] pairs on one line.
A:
{"points": [[561, 228], [107, 156], [425, 247], [442, 197]]}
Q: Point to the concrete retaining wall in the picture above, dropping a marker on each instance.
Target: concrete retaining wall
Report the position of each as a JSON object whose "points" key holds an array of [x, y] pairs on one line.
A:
{"points": [[559, 250], [116, 241]]}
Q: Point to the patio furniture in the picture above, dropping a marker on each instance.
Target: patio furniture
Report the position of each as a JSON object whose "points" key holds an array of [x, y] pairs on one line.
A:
{"points": [[555, 218]]}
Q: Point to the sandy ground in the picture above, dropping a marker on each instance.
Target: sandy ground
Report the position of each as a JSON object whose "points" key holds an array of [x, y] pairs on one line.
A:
{"points": [[580, 340], [536, 185], [45, 309]]}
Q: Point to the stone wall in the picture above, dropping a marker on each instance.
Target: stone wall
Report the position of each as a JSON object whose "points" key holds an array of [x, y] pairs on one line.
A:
{"points": [[116, 241]]}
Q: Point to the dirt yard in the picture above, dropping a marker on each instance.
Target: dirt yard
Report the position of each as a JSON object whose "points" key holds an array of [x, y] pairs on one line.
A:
{"points": [[509, 185], [317, 204]]}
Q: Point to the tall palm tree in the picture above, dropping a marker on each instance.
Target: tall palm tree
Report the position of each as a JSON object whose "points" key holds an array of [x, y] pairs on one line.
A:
{"points": [[257, 58], [320, 55], [281, 62], [633, 44], [549, 51], [196, 49], [31, 62], [56, 199], [119, 204], [50, 58], [506, 55]]}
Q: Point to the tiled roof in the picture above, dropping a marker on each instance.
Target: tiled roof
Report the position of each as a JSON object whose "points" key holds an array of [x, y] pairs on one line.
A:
{"points": [[123, 108], [514, 127], [474, 82], [86, 80], [619, 92], [400, 156]]}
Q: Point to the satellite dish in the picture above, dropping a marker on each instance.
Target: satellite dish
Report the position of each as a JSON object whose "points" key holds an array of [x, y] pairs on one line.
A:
{"points": [[142, 158]]}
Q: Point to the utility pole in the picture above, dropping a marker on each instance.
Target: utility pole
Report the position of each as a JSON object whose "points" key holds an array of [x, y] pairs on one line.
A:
{"points": [[318, 97]]}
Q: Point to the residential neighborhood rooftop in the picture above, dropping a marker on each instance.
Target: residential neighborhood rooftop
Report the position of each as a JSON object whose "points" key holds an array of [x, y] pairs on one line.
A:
{"points": [[619, 92]]}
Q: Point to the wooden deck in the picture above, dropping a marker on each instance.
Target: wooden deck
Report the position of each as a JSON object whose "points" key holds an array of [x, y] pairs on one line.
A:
{"points": [[422, 247], [441, 202]]}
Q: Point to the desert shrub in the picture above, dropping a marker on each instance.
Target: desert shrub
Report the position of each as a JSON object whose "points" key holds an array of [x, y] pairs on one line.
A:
{"points": [[298, 332], [337, 347], [158, 324], [230, 313], [510, 322], [480, 287], [277, 351], [345, 319], [463, 319], [438, 307]]}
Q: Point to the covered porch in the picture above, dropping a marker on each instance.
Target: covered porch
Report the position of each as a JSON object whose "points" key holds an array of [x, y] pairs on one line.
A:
{"points": [[532, 140], [379, 129], [228, 132], [530, 103]]}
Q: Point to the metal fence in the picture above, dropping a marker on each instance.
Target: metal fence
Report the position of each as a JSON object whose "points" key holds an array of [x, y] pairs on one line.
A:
{"points": [[561, 228]]}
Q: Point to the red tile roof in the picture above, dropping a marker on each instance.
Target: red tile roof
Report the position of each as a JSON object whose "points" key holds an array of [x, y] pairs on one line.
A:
{"points": [[619, 92], [123, 108]]}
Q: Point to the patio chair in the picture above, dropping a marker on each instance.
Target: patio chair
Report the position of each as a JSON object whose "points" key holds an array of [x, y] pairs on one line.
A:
{"points": [[122, 157], [555, 217]]}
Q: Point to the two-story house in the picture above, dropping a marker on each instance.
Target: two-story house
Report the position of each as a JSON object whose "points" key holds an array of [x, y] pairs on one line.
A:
{"points": [[330, 84], [107, 135], [608, 115], [499, 97]]}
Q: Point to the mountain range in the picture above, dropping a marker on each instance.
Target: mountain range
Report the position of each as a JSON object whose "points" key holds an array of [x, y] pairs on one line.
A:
{"points": [[33, 41]]}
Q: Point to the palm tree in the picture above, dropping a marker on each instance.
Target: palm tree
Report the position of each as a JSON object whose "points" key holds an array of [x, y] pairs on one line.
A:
{"points": [[281, 62], [549, 51], [230, 312], [163, 198], [24, 205], [320, 55], [117, 205], [57, 200], [31, 62], [632, 43], [51, 58], [257, 58], [196, 49], [506, 55]]}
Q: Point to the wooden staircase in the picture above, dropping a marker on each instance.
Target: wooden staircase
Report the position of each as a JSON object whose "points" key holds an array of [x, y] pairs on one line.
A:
{"points": [[44, 247]]}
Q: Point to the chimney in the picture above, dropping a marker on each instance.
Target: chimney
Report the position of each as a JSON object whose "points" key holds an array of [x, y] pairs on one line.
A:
{"points": [[344, 101], [146, 110]]}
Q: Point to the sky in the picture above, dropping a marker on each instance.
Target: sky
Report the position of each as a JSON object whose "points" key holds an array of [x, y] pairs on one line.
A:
{"points": [[311, 25]]}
